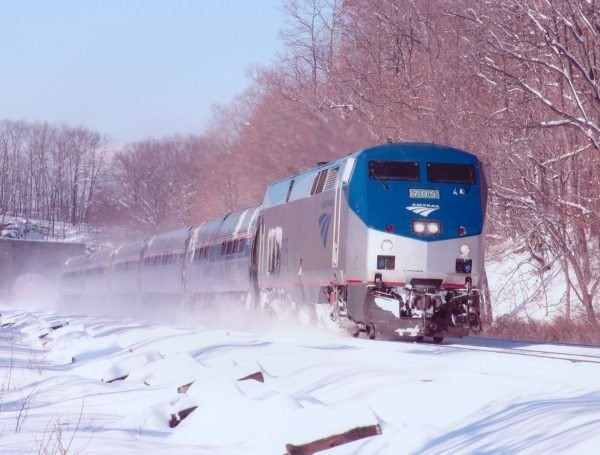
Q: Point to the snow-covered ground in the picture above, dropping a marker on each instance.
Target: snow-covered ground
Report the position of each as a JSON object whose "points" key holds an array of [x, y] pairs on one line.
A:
{"points": [[80, 384], [520, 289], [33, 229]]}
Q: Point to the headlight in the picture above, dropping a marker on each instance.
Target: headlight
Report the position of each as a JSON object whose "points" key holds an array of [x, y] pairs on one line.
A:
{"points": [[387, 245], [423, 227], [418, 227], [465, 250], [433, 228]]}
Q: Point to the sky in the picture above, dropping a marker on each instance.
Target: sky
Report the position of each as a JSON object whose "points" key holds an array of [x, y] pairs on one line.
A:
{"points": [[83, 384], [131, 69]]}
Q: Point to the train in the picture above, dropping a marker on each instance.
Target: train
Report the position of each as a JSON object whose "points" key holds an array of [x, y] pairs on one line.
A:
{"points": [[386, 242]]}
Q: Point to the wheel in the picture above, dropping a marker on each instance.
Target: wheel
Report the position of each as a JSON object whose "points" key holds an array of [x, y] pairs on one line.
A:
{"points": [[438, 340]]}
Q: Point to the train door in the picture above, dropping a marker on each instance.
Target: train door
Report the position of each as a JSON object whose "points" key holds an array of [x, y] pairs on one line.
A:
{"points": [[186, 256], [140, 270], [342, 179], [335, 244], [257, 261]]}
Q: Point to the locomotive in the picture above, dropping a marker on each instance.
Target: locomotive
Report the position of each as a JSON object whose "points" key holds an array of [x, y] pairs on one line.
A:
{"points": [[386, 241]]}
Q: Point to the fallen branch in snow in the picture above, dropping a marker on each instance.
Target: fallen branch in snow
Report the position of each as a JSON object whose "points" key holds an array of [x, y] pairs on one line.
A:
{"points": [[52, 328], [184, 388], [333, 441], [120, 378], [258, 376], [177, 418]]}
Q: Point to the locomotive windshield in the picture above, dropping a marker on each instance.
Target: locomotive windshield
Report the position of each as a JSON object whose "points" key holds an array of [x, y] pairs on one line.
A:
{"points": [[394, 170], [451, 173]]}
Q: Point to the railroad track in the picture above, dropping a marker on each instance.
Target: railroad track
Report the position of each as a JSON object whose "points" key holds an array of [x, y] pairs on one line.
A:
{"points": [[568, 352]]}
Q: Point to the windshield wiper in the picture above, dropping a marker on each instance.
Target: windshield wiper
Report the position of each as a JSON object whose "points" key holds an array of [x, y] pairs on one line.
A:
{"points": [[385, 185]]}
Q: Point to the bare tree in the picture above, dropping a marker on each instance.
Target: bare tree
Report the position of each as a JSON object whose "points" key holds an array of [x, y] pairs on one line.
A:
{"points": [[158, 182], [545, 56], [82, 153]]}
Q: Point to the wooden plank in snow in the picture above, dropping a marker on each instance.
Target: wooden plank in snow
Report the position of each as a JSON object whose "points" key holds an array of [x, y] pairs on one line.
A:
{"points": [[333, 441]]}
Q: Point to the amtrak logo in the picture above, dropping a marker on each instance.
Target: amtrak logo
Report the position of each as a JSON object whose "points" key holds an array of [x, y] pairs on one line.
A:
{"points": [[324, 221], [423, 209]]}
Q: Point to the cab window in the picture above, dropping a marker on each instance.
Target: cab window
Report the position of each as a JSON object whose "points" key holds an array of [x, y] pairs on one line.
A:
{"points": [[451, 173], [394, 170]]}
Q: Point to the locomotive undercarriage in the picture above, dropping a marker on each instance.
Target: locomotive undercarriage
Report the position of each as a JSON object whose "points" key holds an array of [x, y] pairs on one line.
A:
{"points": [[423, 308]]}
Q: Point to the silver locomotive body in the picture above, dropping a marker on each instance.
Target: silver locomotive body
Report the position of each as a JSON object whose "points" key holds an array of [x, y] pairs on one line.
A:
{"points": [[397, 253]]}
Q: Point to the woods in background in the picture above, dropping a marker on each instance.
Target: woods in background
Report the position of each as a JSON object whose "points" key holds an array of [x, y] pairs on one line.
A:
{"points": [[514, 81], [49, 172]]}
